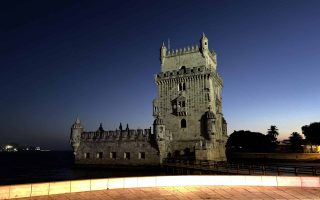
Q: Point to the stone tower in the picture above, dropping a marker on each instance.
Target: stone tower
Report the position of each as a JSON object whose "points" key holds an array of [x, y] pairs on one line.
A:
{"points": [[75, 136], [188, 107]]}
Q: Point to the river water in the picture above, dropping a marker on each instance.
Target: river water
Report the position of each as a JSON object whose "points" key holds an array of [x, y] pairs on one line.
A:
{"points": [[31, 167]]}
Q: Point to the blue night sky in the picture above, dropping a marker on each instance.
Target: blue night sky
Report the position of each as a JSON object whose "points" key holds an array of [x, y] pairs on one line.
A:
{"points": [[97, 59]]}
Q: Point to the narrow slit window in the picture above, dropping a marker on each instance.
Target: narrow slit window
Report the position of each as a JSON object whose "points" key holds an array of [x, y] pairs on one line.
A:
{"points": [[183, 104], [183, 123], [182, 87]]}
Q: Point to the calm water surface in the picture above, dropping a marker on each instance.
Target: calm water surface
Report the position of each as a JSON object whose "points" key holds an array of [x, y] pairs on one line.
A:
{"points": [[30, 167]]}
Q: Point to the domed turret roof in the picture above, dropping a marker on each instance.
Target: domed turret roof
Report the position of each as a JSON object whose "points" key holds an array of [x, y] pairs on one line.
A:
{"points": [[77, 123], [100, 129], [204, 36], [77, 120]]}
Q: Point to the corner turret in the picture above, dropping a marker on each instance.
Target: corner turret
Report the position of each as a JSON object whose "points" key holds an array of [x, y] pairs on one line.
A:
{"points": [[204, 44], [163, 53], [210, 123], [75, 136], [224, 127], [210, 57], [159, 128]]}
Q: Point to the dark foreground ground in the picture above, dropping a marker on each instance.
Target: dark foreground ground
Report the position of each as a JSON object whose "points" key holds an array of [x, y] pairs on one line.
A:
{"points": [[192, 192]]}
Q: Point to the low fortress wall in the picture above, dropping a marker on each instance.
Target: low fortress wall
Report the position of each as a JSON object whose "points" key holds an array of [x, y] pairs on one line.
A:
{"points": [[50, 188], [276, 156]]}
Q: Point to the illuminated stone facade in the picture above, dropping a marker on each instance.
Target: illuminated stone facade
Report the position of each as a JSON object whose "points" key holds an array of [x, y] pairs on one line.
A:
{"points": [[188, 108], [188, 123]]}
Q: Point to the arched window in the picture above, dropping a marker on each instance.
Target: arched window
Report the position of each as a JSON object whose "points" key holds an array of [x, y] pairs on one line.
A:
{"points": [[183, 123]]}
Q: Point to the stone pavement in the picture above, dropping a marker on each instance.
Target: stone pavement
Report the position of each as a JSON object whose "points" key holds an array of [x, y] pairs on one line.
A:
{"points": [[191, 192]]}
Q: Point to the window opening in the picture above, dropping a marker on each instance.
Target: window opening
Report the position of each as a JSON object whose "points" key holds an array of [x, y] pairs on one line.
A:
{"points": [[86, 155], [127, 155], [183, 123], [182, 104], [99, 155], [142, 155], [182, 87], [113, 155]]}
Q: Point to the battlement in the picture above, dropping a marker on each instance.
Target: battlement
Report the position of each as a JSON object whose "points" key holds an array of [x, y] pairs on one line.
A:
{"points": [[187, 50], [185, 72], [184, 50], [125, 135]]}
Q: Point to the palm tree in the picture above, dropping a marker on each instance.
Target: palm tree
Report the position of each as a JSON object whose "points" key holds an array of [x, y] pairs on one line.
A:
{"points": [[272, 135], [273, 131]]}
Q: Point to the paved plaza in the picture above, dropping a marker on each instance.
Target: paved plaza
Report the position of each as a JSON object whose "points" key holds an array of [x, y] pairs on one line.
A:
{"points": [[191, 192]]}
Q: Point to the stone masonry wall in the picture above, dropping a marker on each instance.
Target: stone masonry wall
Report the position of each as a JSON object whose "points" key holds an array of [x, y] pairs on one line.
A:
{"points": [[133, 147]]}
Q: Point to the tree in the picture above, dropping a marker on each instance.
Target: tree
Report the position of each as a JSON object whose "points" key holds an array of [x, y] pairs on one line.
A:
{"points": [[272, 135], [312, 133], [247, 141], [296, 142]]}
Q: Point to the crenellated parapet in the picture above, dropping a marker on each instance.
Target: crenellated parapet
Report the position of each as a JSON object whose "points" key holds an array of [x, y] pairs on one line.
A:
{"points": [[187, 50], [184, 50], [118, 135], [187, 73]]}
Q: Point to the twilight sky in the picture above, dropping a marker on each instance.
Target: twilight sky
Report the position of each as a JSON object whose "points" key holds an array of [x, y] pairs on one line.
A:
{"points": [[97, 59]]}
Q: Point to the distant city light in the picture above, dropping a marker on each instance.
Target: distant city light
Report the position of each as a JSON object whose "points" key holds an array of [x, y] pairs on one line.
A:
{"points": [[8, 147], [18, 148]]}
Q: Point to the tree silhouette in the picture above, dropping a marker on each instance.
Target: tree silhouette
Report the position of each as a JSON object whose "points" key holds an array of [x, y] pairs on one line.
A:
{"points": [[273, 131], [296, 142], [311, 133], [247, 141], [272, 135]]}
